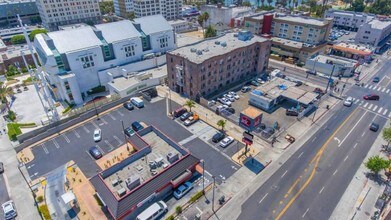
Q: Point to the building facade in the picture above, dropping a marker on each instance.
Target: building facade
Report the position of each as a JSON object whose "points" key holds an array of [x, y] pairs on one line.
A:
{"points": [[375, 33], [12, 56], [27, 10], [223, 18], [206, 67], [64, 12], [337, 66], [75, 59], [348, 20], [170, 9]]}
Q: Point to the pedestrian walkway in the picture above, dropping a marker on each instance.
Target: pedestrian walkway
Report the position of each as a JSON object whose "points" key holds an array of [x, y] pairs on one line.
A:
{"points": [[378, 88], [377, 109]]}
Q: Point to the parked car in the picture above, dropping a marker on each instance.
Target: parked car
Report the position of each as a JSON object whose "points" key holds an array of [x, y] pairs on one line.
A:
{"points": [[374, 127], [137, 126], [267, 132], [230, 110], [292, 112], [233, 94], [9, 210], [254, 83], [186, 116], [218, 137], [182, 190], [128, 106], [376, 79], [245, 89], [224, 101], [129, 131], [191, 120], [97, 135], [226, 141], [230, 98], [153, 212], [371, 97], [348, 102], [319, 91], [298, 83], [179, 112], [25, 88], [212, 103], [1, 168], [95, 152]]}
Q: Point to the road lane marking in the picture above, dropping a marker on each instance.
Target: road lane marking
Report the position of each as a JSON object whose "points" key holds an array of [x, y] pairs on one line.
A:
{"points": [[208, 173], [112, 117], [385, 112], [380, 109], [305, 213], [55, 143], [284, 174], [335, 172], [320, 192], [77, 134], [293, 186], [346, 158], [86, 129], [352, 128], [313, 139], [388, 90], [378, 89], [363, 134], [66, 138], [300, 155], [365, 104], [111, 146], [120, 113], [374, 108], [383, 89], [44, 148], [119, 141], [355, 145], [263, 198]]}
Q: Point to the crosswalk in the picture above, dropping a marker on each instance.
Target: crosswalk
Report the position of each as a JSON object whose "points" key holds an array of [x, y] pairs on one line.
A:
{"points": [[377, 88], [382, 111]]}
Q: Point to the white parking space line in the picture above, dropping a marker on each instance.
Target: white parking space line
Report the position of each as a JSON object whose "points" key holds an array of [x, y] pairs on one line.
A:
{"points": [[363, 134], [320, 192], [119, 141], [374, 108], [370, 87], [366, 86], [356, 101], [383, 89], [335, 172], [96, 126], [86, 129], [90, 155], [305, 213], [66, 138], [346, 158], [388, 90], [55, 143], [97, 146], [77, 134], [313, 139], [44, 148], [120, 113], [111, 146], [380, 109], [263, 198], [378, 89], [300, 155], [199, 210], [284, 173], [112, 117], [103, 120], [353, 128], [366, 104], [370, 106], [361, 102], [355, 145], [385, 112]]}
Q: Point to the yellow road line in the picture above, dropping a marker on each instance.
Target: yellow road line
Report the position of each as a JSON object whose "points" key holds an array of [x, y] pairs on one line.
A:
{"points": [[317, 157]]}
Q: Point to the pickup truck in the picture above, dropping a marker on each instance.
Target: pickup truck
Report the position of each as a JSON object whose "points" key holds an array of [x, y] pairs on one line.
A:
{"points": [[191, 120]]}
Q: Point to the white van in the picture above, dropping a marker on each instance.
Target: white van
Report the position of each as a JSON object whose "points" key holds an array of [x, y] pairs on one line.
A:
{"points": [[153, 212], [139, 103]]}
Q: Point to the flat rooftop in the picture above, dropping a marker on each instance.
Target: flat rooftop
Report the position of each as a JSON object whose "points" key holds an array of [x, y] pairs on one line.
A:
{"points": [[251, 112], [208, 48], [302, 19], [286, 42], [378, 24], [336, 60], [353, 48]]}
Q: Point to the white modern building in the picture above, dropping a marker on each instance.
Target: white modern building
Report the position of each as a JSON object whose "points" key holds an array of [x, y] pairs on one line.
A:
{"points": [[338, 66], [375, 33], [349, 20], [170, 9], [64, 12], [77, 60], [223, 18]]}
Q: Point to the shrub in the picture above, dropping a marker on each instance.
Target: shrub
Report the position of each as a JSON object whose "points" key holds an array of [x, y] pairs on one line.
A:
{"points": [[27, 125], [39, 199], [11, 115], [98, 200], [13, 131], [18, 39], [178, 209], [196, 197], [171, 217], [43, 209], [67, 110], [97, 89]]}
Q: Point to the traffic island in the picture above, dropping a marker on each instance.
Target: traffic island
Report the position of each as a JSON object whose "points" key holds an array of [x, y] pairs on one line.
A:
{"points": [[26, 155], [240, 157]]}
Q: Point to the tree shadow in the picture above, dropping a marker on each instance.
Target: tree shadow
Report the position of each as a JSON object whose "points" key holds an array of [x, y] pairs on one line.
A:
{"points": [[377, 178]]}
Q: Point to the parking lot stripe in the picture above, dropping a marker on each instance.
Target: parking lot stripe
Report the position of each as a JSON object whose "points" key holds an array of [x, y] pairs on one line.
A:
{"points": [[90, 155], [44, 148], [361, 102], [119, 141], [385, 112], [374, 108], [77, 134], [388, 90], [66, 138], [95, 125], [86, 129], [378, 89], [356, 101], [104, 121], [366, 104], [370, 87], [119, 112], [112, 117], [55, 143], [384, 89], [380, 109], [370, 106], [366, 86], [97, 146], [111, 146]]}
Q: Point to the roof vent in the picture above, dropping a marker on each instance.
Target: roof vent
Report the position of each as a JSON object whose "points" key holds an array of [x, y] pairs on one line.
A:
{"points": [[193, 50], [224, 44], [199, 52], [217, 42], [206, 50]]}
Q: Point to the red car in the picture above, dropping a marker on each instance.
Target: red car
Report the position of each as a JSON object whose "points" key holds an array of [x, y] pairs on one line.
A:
{"points": [[371, 97]]}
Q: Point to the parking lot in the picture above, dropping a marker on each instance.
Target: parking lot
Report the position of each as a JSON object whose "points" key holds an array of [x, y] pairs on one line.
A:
{"points": [[74, 144]]}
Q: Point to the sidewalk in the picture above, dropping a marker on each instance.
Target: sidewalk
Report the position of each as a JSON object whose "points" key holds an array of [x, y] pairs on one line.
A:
{"points": [[358, 201], [17, 187]]}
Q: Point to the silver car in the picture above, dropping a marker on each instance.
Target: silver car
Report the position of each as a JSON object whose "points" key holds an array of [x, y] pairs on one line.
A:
{"points": [[9, 210], [226, 141], [348, 102]]}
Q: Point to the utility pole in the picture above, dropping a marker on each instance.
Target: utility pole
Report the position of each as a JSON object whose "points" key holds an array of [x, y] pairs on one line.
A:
{"points": [[96, 110], [213, 194], [330, 77], [203, 177]]}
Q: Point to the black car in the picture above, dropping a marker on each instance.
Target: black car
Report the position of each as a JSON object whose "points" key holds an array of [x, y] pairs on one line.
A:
{"points": [[186, 115], [137, 126], [95, 152], [129, 131], [218, 137], [298, 83], [128, 106], [376, 79], [1, 168], [374, 127], [292, 112], [230, 110]]}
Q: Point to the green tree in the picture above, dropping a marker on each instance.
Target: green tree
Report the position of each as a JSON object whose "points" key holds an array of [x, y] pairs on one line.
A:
{"points": [[4, 92], [190, 103], [131, 16], [221, 123], [210, 32], [247, 4], [12, 71], [387, 135], [201, 20], [375, 164], [358, 6], [106, 7], [18, 39], [35, 32]]}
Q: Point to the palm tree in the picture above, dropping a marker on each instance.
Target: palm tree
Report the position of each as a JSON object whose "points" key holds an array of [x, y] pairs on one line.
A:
{"points": [[270, 2], [263, 2], [201, 20], [4, 92], [190, 103], [221, 123]]}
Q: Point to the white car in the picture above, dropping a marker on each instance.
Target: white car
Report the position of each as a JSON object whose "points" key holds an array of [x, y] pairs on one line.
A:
{"points": [[230, 98], [226, 141], [9, 210], [97, 135], [348, 102], [236, 96], [224, 101]]}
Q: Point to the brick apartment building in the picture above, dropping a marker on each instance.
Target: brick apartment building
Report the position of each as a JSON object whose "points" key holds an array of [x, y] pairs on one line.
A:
{"points": [[204, 68]]}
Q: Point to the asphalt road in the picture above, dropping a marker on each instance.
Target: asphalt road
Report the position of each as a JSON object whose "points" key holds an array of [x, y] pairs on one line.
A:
{"points": [[4, 197], [310, 184]]}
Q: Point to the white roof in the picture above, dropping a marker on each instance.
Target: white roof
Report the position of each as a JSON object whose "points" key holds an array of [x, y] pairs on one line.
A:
{"points": [[153, 24], [118, 31], [68, 197], [74, 39], [301, 19], [377, 24]]}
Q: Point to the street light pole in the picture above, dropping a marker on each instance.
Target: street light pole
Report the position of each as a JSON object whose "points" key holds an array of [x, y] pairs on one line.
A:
{"points": [[96, 110], [203, 177], [331, 75], [213, 194]]}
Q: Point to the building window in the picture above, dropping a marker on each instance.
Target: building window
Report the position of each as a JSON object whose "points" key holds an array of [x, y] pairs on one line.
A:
{"points": [[163, 42], [87, 61], [129, 51]]}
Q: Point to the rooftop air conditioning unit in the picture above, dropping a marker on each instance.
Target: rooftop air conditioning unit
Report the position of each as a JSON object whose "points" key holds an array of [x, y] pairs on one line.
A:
{"points": [[193, 50], [199, 52], [224, 44]]}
